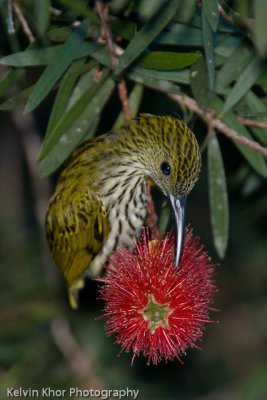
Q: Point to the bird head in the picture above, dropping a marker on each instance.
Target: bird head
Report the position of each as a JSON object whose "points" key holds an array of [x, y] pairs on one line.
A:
{"points": [[171, 158]]}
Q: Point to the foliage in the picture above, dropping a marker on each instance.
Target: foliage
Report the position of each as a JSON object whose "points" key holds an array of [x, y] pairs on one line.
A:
{"points": [[210, 52]]}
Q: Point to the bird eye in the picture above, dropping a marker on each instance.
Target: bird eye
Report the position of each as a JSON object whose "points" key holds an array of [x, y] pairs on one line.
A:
{"points": [[165, 168]]}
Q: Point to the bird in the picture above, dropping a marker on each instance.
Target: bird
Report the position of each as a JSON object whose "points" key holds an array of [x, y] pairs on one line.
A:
{"points": [[100, 199]]}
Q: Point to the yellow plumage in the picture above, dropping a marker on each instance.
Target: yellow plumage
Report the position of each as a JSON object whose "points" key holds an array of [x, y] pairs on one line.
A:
{"points": [[100, 198]]}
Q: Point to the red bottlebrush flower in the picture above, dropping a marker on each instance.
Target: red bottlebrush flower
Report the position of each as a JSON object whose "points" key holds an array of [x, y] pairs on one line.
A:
{"points": [[152, 307]]}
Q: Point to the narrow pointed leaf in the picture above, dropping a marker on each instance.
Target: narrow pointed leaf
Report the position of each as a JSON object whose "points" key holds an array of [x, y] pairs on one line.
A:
{"points": [[226, 45], [56, 67], [147, 34], [262, 81], [59, 34], [68, 118], [180, 76], [42, 14], [218, 197], [209, 50], [234, 66], [186, 10], [126, 29], [164, 217], [255, 159], [17, 100], [245, 81], [259, 111], [151, 82], [260, 13], [78, 129], [85, 81], [80, 8], [63, 94], [212, 12], [199, 82], [183, 37], [33, 57], [167, 60], [9, 79], [103, 56]]}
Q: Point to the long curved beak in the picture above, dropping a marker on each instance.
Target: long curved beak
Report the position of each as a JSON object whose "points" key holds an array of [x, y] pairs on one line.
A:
{"points": [[178, 206]]}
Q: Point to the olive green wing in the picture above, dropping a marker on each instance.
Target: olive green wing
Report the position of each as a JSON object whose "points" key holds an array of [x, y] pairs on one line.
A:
{"points": [[76, 228]]}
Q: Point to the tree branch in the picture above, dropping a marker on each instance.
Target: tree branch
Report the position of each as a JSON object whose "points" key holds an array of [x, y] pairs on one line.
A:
{"points": [[216, 123]]}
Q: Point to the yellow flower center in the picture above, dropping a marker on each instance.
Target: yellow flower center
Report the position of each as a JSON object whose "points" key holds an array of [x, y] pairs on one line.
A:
{"points": [[156, 314]]}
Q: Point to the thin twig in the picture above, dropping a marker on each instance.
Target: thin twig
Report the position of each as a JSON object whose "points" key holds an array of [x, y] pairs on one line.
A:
{"points": [[253, 123], [232, 134], [123, 95], [216, 123], [24, 23], [106, 36], [102, 10]]}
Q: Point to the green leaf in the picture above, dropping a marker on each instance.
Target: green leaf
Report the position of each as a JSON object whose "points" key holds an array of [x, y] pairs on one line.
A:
{"points": [[232, 69], [244, 82], [218, 197], [53, 136], [134, 104], [9, 79], [209, 50], [227, 45], [182, 37], [64, 93], [79, 7], [262, 80], [186, 10], [181, 76], [17, 100], [211, 9], [72, 134], [117, 6], [199, 82], [255, 159], [164, 217], [92, 128], [153, 83], [103, 56], [59, 34], [167, 60], [260, 12], [147, 34], [42, 15], [33, 57], [56, 67], [126, 29], [84, 82], [259, 112]]}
